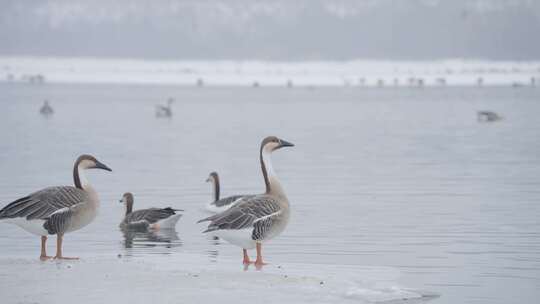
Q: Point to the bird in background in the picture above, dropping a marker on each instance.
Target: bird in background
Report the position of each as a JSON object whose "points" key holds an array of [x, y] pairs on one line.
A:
{"points": [[46, 109], [148, 219], [220, 204], [165, 111]]}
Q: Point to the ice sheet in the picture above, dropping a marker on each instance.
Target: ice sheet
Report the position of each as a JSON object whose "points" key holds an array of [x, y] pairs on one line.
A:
{"points": [[189, 278]]}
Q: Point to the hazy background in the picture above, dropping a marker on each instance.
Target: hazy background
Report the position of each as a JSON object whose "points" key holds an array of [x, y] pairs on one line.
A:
{"points": [[396, 190], [273, 30]]}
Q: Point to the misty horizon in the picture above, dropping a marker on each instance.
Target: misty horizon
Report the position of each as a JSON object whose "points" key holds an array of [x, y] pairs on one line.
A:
{"points": [[276, 31]]}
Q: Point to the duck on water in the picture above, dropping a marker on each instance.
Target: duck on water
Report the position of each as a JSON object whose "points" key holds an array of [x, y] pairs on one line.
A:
{"points": [[165, 111], [148, 219], [46, 109]]}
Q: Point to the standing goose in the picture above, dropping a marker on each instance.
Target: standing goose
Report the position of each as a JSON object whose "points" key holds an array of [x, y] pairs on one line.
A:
{"points": [[57, 210], [259, 218], [220, 205], [152, 218]]}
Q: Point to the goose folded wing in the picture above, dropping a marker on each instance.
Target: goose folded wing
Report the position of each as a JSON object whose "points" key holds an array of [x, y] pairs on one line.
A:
{"points": [[151, 215], [43, 203], [59, 221], [245, 213], [229, 200], [263, 225]]}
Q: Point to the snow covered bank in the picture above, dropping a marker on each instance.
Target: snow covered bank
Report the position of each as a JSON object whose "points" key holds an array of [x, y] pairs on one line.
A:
{"points": [[185, 278], [260, 73]]}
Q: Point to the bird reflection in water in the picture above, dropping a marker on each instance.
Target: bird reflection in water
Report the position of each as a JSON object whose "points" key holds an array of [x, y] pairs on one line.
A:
{"points": [[213, 254], [143, 239]]}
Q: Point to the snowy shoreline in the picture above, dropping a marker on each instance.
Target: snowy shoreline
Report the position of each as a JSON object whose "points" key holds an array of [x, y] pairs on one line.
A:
{"points": [[191, 278], [358, 73]]}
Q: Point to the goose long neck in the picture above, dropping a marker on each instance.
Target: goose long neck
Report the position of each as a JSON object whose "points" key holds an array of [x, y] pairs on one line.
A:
{"points": [[264, 171], [216, 188], [129, 206], [270, 177], [78, 177]]}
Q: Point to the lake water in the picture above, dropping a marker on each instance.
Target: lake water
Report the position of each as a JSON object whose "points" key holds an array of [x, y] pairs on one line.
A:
{"points": [[397, 177]]}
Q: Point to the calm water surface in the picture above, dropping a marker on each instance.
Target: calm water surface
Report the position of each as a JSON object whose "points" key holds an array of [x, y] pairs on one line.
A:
{"points": [[404, 178]]}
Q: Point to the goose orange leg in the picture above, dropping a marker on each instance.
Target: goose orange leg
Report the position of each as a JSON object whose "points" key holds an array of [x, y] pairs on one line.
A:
{"points": [[44, 255], [259, 262], [246, 258], [59, 255]]}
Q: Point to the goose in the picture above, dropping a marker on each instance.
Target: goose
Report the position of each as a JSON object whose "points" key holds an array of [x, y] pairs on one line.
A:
{"points": [[220, 205], [164, 111], [46, 109], [146, 219], [259, 218], [57, 210]]}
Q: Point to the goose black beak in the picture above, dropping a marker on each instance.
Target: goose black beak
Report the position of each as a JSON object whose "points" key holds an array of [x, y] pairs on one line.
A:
{"points": [[284, 143], [102, 166]]}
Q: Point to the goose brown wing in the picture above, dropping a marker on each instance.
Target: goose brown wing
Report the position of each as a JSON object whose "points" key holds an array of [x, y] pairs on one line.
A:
{"points": [[150, 215], [245, 213], [43, 203]]}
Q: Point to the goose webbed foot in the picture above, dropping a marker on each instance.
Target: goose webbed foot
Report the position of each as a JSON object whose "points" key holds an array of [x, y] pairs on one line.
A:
{"points": [[259, 264], [45, 257], [61, 257]]}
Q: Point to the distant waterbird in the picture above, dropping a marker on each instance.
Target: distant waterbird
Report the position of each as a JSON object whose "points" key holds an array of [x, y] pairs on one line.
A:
{"points": [[220, 204], [441, 81], [361, 81], [259, 218], [289, 83], [148, 219], [165, 111], [480, 81], [200, 82], [487, 116], [57, 210], [46, 109]]}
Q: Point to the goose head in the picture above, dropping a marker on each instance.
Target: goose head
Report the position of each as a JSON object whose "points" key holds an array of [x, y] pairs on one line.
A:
{"points": [[212, 178], [127, 200], [89, 162], [273, 143], [269, 145]]}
